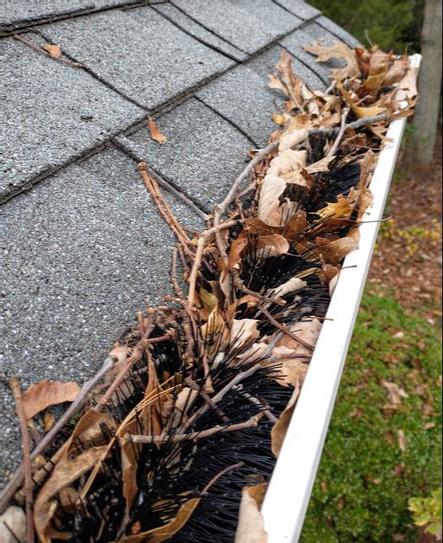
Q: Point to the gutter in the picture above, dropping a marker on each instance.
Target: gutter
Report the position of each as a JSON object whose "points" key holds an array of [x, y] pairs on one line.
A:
{"points": [[289, 491]]}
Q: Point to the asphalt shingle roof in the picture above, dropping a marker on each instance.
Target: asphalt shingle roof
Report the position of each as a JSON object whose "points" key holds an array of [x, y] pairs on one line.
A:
{"points": [[82, 245]]}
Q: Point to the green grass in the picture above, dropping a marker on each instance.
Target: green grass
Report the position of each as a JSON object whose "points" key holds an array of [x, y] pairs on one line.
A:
{"points": [[365, 479]]}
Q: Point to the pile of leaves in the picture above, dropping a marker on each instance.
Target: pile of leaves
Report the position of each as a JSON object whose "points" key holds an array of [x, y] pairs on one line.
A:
{"points": [[181, 426]]}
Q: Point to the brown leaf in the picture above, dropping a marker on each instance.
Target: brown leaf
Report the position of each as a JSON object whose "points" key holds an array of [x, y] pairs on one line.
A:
{"points": [[401, 440], [280, 428], [307, 330], [156, 135], [359, 111], [292, 371], [333, 253], [242, 331], [272, 245], [338, 51], [65, 472], [53, 50], [48, 421], [41, 395], [395, 396], [163, 533], [291, 285], [235, 252], [13, 520], [251, 524]]}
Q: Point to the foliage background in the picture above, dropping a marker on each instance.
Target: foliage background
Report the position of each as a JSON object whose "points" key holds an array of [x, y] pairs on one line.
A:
{"points": [[391, 24]]}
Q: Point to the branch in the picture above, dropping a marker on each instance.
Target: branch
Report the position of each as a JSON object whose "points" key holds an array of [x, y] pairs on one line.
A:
{"points": [[16, 389], [341, 133], [177, 438]]}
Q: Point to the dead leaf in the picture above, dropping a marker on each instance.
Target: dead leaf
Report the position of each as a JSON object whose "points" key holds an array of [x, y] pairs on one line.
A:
{"points": [[163, 533], [285, 168], [280, 428], [65, 472], [359, 111], [395, 396], [235, 252], [41, 395], [242, 331], [156, 135], [292, 139], [307, 330], [292, 371], [272, 245], [53, 50], [251, 524], [292, 285], [337, 51], [13, 518], [48, 421]]}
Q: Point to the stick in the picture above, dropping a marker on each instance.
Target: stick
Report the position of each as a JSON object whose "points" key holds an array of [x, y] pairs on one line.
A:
{"points": [[177, 438], [284, 329], [17, 479], [199, 254], [16, 389], [341, 133]]}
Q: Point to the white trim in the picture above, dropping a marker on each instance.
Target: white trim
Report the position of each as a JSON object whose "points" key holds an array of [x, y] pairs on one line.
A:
{"points": [[287, 498]]}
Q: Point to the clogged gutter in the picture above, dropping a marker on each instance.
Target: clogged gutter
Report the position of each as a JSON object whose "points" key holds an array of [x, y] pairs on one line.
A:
{"points": [[182, 426]]}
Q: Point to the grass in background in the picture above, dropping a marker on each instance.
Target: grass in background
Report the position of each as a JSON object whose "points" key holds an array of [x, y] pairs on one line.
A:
{"points": [[376, 458]]}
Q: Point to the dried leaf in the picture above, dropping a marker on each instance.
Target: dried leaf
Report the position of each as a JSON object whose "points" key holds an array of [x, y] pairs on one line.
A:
{"points": [[360, 111], [242, 331], [251, 524], [13, 519], [395, 393], [308, 331], [272, 245], [320, 166], [235, 252], [401, 440], [41, 395], [53, 50], [289, 162], [292, 371], [65, 472], [337, 51], [292, 139], [292, 285], [163, 533], [340, 209], [48, 421], [280, 428], [156, 135], [333, 253]]}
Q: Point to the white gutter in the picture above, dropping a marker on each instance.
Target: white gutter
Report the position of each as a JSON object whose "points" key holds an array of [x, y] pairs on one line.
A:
{"points": [[287, 498]]}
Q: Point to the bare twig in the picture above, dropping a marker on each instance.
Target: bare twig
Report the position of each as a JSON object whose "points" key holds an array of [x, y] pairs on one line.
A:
{"points": [[158, 440], [284, 329], [341, 133], [16, 389]]}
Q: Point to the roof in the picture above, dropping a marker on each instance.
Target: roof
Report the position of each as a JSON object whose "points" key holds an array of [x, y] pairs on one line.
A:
{"points": [[83, 247]]}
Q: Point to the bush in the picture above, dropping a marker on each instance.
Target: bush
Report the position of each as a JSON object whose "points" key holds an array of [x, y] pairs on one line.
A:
{"points": [[391, 24], [365, 478]]}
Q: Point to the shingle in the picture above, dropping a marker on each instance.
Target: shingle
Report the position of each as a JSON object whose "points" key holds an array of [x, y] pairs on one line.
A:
{"points": [[80, 255], [140, 53], [338, 31], [51, 113], [17, 13], [203, 155], [247, 24], [264, 64], [244, 98], [198, 31], [299, 8], [305, 36]]}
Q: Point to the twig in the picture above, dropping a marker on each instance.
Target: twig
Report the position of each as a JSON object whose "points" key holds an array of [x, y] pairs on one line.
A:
{"points": [[177, 438], [199, 254], [45, 53], [284, 329], [17, 479], [341, 133], [221, 474], [16, 389], [255, 401]]}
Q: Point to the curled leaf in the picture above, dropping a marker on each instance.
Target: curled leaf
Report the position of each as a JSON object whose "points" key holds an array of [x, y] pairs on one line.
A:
{"points": [[251, 524], [41, 395], [156, 135]]}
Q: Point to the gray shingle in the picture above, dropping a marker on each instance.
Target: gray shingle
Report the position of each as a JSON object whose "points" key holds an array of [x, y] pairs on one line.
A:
{"points": [[264, 64], [247, 24], [190, 26], [140, 53], [81, 253], [51, 114], [305, 36], [299, 8], [243, 97], [338, 31], [17, 13], [203, 155]]}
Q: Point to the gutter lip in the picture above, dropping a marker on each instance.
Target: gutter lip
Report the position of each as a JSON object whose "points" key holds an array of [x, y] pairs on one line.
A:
{"points": [[287, 498]]}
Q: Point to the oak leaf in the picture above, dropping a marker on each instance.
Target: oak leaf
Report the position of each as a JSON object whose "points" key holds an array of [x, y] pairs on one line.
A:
{"points": [[41, 395]]}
